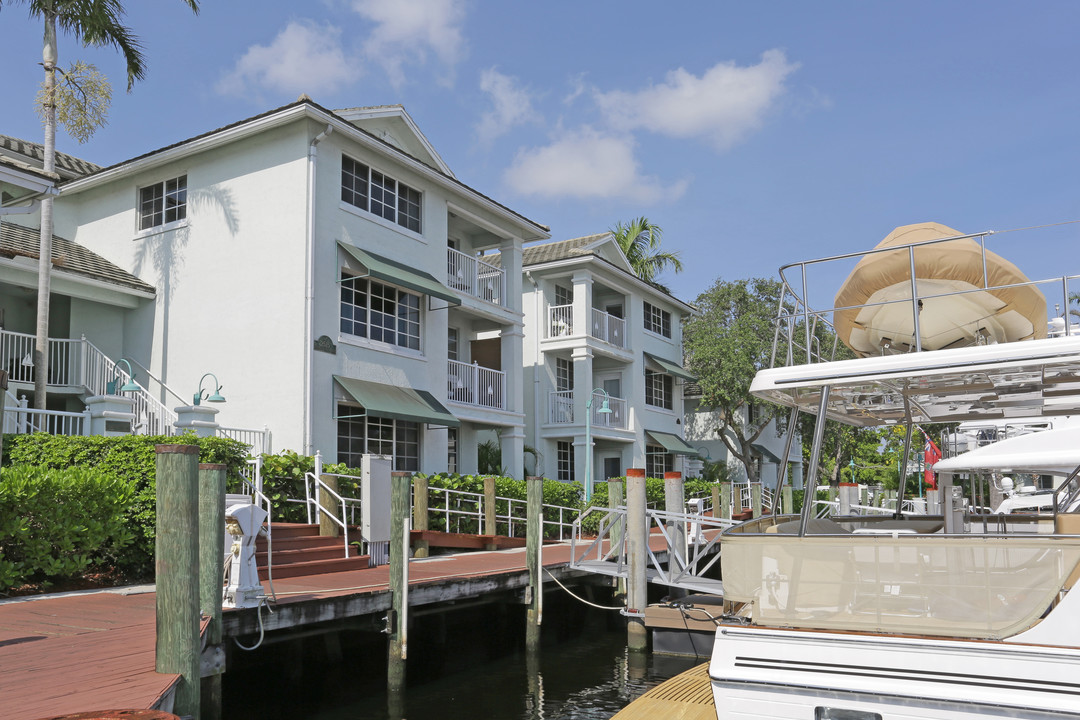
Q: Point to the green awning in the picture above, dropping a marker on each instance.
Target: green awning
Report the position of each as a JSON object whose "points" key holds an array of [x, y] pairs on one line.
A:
{"points": [[399, 274], [671, 368], [397, 402], [672, 443]]}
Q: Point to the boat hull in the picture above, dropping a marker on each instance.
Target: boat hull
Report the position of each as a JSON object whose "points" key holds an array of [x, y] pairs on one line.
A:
{"points": [[771, 673]]}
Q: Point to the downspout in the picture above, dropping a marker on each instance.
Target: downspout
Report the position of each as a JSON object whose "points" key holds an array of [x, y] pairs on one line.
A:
{"points": [[537, 334], [309, 290]]}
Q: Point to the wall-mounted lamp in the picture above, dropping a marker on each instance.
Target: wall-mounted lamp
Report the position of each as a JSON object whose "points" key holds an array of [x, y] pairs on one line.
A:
{"points": [[214, 397], [129, 386]]}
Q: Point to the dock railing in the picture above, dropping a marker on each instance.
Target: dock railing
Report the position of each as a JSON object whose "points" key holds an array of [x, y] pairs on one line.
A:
{"points": [[463, 511], [313, 488]]}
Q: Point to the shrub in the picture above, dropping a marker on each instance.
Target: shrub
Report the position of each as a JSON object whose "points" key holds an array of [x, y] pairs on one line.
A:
{"points": [[128, 458], [56, 523]]}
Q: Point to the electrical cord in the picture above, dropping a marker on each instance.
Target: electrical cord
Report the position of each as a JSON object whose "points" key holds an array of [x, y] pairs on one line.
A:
{"points": [[578, 597]]}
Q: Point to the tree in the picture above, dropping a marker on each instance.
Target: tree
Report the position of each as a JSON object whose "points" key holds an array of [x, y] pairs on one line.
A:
{"points": [[726, 342], [640, 242], [1074, 298], [91, 22]]}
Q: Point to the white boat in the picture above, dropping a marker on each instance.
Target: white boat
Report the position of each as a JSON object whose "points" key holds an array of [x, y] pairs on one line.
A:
{"points": [[954, 615]]}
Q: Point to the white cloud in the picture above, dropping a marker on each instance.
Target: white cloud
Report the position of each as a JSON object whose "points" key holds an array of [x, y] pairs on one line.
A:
{"points": [[304, 57], [512, 105], [587, 164], [723, 105], [407, 30]]}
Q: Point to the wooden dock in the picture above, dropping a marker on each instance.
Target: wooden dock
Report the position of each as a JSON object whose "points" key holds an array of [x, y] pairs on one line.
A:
{"points": [[687, 696], [95, 650]]}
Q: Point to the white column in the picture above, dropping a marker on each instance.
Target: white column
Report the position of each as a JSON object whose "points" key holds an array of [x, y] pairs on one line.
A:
{"points": [[582, 303], [512, 444], [198, 418]]}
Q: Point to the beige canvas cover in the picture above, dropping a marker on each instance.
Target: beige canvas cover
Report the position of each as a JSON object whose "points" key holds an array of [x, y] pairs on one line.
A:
{"points": [[1013, 313]]}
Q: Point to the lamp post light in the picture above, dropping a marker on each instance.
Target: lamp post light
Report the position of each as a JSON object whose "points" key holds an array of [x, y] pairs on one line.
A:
{"points": [[129, 386], [588, 437], [214, 397]]}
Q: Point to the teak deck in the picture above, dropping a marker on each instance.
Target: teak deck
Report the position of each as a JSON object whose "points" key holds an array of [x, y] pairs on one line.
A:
{"points": [[95, 650], [687, 696]]}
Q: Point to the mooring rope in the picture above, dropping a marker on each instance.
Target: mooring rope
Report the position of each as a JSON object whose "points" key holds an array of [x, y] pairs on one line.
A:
{"points": [[578, 597]]}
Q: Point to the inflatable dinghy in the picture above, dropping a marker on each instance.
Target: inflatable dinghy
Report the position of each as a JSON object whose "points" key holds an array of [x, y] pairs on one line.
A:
{"points": [[948, 315]]}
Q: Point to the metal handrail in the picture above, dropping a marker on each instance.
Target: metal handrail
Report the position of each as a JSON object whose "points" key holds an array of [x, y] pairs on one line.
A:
{"points": [[314, 482]]}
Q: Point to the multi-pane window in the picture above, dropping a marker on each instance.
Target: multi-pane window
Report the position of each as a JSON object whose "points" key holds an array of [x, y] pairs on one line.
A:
{"points": [[380, 312], [565, 461], [379, 194], [451, 343], [564, 375], [658, 461], [658, 390], [657, 320], [563, 295], [400, 439], [163, 203]]}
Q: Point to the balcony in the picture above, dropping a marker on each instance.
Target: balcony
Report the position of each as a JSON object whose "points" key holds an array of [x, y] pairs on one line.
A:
{"points": [[608, 328], [474, 277], [604, 326], [561, 410], [476, 385]]}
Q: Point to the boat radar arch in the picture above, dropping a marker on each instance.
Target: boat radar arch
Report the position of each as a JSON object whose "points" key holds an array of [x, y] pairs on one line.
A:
{"points": [[875, 312]]}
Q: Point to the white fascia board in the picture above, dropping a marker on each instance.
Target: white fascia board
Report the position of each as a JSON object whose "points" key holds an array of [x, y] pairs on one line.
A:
{"points": [[644, 288], [530, 231], [35, 184], [402, 114], [23, 272]]}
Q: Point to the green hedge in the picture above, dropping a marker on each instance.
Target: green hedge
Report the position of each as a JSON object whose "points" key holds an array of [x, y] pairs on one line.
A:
{"points": [[129, 459], [56, 523]]}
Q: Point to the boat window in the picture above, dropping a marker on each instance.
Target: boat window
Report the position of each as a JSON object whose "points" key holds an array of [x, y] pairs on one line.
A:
{"points": [[824, 713]]}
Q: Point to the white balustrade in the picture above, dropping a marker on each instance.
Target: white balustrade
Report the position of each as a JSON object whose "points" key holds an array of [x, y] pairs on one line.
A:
{"points": [[561, 407], [614, 419], [476, 385], [473, 276], [560, 321], [608, 328]]}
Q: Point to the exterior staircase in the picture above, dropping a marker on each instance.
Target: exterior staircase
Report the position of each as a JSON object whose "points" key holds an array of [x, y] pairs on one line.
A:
{"points": [[299, 550]]}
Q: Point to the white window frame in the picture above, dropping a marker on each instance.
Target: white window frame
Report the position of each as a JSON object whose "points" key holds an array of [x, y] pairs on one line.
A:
{"points": [[564, 465], [392, 195], [399, 444], [656, 457], [657, 320], [179, 207], [665, 393], [348, 326]]}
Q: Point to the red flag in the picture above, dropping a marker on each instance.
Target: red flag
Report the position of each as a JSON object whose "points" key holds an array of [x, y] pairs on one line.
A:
{"points": [[931, 454]]}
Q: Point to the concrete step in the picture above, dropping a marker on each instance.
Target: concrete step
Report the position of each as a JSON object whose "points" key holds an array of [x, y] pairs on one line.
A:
{"points": [[316, 567]]}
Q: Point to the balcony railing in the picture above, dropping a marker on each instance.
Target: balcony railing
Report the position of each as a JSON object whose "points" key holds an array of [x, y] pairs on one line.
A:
{"points": [[614, 419], [476, 385], [473, 276], [608, 328], [560, 321], [561, 407]]}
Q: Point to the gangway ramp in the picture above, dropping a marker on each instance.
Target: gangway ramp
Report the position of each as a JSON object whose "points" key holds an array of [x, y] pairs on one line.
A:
{"points": [[682, 549]]}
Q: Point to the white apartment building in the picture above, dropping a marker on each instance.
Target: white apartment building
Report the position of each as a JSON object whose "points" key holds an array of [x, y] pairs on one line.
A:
{"points": [[326, 268], [597, 334]]}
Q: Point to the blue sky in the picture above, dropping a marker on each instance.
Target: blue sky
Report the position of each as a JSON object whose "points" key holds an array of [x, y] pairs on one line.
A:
{"points": [[755, 133]]}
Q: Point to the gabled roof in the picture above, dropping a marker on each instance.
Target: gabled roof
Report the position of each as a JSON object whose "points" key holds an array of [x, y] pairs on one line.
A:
{"points": [[304, 107], [393, 125], [67, 257], [601, 247], [68, 167]]}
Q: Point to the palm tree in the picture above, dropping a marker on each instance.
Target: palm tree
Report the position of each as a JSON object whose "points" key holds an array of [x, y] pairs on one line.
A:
{"points": [[91, 22], [1074, 298], [640, 241]]}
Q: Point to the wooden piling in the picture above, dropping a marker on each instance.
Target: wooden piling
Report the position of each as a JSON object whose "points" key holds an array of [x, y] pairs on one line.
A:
{"points": [[327, 526], [675, 502], [489, 511], [176, 568], [637, 551], [211, 570], [716, 500], [725, 500], [420, 513], [788, 504], [400, 484], [534, 539], [755, 499]]}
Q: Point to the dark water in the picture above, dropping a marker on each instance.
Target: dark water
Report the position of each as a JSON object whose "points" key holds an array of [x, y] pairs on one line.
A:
{"points": [[466, 664]]}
